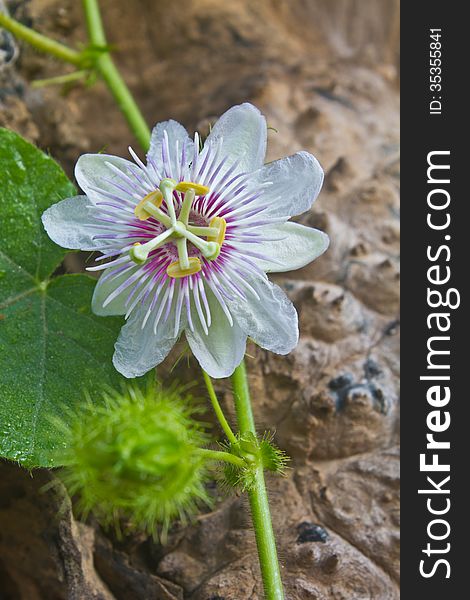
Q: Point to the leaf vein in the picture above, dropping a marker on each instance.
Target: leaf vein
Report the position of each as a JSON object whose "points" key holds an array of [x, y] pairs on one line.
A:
{"points": [[42, 368], [12, 299], [19, 267]]}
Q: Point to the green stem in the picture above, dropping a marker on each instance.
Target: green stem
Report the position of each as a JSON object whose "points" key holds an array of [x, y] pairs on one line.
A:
{"points": [[103, 63], [258, 496], [61, 79], [218, 409], [41, 42], [224, 456], [108, 71]]}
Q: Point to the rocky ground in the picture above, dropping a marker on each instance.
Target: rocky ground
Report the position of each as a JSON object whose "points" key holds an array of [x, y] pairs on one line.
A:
{"points": [[324, 73]]}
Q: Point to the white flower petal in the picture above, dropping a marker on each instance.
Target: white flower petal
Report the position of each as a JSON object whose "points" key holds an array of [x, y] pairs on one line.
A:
{"points": [[296, 181], [244, 134], [72, 224], [106, 285], [92, 173], [272, 321], [293, 247], [176, 133], [221, 350], [138, 350]]}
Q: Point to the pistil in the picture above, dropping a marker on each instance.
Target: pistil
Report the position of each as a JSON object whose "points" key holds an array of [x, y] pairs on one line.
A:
{"points": [[178, 228], [209, 250]]}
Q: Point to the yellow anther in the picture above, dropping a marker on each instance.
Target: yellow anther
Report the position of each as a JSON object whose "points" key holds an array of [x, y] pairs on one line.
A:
{"points": [[221, 225], [155, 198], [199, 190], [174, 270]]}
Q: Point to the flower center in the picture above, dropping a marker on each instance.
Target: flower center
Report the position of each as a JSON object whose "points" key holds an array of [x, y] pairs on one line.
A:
{"points": [[178, 229]]}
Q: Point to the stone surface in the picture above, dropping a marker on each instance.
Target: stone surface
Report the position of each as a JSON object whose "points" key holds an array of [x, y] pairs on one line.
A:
{"points": [[325, 74]]}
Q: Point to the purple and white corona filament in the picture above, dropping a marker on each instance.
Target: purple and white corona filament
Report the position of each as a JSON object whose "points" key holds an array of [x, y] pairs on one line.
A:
{"points": [[187, 239]]}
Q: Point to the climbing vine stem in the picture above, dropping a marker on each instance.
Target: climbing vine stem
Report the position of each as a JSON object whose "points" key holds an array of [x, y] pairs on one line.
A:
{"points": [[107, 69], [41, 42], [95, 57]]}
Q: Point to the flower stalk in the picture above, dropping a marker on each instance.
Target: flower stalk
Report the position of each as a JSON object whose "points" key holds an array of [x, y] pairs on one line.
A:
{"points": [[218, 409], [218, 455]]}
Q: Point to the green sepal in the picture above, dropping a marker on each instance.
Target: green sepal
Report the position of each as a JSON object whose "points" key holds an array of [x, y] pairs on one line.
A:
{"points": [[255, 452]]}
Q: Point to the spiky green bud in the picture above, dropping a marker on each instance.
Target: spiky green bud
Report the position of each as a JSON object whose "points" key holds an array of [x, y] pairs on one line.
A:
{"points": [[135, 458]]}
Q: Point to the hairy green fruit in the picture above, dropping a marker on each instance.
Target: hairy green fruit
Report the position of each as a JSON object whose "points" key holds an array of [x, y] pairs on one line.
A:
{"points": [[136, 458]]}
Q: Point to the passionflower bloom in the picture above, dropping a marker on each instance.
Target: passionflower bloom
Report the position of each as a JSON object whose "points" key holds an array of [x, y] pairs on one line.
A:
{"points": [[187, 239]]}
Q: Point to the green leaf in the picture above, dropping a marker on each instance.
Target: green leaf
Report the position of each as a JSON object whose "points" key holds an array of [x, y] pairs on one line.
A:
{"points": [[52, 348]]}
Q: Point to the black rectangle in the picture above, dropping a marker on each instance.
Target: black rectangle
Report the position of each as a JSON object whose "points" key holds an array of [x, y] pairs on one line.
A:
{"points": [[435, 199]]}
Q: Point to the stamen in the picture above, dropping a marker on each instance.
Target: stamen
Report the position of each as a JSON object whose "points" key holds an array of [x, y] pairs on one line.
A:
{"points": [[174, 269], [220, 225], [202, 231], [140, 252], [182, 253], [154, 198], [199, 189]]}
